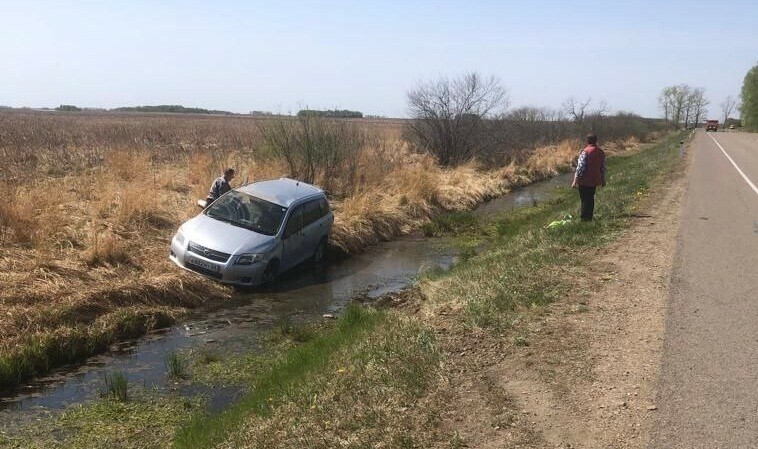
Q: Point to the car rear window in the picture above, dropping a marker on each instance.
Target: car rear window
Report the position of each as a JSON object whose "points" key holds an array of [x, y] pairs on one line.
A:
{"points": [[311, 212]]}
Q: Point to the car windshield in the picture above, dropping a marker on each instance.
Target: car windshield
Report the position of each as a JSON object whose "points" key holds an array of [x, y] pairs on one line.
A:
{"points": [[247, 211]]}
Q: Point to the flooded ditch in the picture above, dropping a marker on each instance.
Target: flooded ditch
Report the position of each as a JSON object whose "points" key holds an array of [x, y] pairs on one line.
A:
{"points": [[301, 296]]}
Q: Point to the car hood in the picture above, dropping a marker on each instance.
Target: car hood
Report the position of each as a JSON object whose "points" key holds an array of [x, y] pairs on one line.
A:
{"points": [[225, 237]]}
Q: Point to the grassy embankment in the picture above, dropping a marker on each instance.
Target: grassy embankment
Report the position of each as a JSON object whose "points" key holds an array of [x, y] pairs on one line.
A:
{"points": [[377, 377], [90, 204]]}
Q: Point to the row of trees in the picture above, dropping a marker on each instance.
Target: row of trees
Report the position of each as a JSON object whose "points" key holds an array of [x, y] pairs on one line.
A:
{"points": [[161, 108], [750, 100], [456, 119], [171, 108], [338, 113], [683, 105], [68, 108]]}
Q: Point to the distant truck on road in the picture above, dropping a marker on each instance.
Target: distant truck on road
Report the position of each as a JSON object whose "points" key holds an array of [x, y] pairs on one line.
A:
{"points": [[712, 125]]}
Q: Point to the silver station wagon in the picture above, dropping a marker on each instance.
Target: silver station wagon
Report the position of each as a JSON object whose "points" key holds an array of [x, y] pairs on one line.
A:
{"points": [[251, 234]]}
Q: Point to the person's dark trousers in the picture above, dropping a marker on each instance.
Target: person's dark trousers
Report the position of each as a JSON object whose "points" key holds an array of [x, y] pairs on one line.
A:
{"points": [[587, 195]]}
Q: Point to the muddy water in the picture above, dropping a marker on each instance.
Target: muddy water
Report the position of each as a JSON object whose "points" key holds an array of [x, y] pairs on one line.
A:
{"points": [[303, 295], [526, 196]]}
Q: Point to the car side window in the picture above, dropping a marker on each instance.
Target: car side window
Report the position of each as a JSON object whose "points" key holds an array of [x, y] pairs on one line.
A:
{"points": [[323, 206], [311, 212], [295, 222]]}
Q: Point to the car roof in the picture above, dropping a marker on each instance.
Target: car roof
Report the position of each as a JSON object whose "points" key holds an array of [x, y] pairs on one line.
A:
{"points": [[284, 191]]}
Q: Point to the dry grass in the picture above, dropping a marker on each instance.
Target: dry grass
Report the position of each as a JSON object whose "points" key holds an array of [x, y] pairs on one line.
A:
{"points": [[83, 241], [106, 249], [414, 188]]}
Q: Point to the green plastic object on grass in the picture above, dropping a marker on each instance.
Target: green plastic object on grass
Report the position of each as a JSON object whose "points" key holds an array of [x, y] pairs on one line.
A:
{"points": [[558, 223]]}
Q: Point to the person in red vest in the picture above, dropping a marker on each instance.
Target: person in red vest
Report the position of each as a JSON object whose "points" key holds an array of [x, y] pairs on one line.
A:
{"points": [[590, 173]]}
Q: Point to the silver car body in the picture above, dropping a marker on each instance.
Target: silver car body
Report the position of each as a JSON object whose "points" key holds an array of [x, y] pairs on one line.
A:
{"points": [[234, 253]]}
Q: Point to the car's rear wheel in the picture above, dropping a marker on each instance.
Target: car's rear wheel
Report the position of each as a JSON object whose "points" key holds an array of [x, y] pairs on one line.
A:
{"points": [[319, 256], [270, 273]]}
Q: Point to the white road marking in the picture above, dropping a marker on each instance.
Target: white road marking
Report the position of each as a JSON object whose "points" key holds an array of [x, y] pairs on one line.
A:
{"points": [[739, 170]]}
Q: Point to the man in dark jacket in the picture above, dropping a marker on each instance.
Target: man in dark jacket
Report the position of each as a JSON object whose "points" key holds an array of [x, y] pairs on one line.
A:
{"points": [[590, 173], [220, 186]]}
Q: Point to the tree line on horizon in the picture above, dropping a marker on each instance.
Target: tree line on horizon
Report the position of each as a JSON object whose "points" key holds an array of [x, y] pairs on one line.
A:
{"points": [[179, 109], [161, 108], [336, 113]]}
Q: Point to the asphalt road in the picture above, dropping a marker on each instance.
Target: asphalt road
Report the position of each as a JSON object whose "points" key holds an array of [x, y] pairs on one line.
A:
{"points": [[708, 389]]}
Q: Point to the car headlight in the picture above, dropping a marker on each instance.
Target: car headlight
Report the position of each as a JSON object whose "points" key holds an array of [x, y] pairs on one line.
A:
{"points": [[180, 237], [248, 259]]}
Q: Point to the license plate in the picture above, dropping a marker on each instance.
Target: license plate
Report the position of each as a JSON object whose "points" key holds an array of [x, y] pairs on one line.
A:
{"points": [[203, 264]]}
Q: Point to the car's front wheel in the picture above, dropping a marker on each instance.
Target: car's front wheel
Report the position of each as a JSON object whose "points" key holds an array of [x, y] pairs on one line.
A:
{"points": [[270, 273]]}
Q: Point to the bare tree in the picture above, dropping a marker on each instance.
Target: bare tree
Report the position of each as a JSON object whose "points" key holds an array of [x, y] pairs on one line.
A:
{"points": [[681, 94], [688, 104], [449, 115], [575, 109], [585, 117], [728, 106], [699, 104], [666, 100], [676, 102]]}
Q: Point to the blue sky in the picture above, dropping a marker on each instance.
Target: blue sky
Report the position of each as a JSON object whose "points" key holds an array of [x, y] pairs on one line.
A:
{"points": [[284, 55]]}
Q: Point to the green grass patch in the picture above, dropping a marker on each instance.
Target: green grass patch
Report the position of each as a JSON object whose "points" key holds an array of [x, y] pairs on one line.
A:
{"points": [[285, 329], [451, 223], [142, 422], [360, 394], [278, 379], [526, 264]]}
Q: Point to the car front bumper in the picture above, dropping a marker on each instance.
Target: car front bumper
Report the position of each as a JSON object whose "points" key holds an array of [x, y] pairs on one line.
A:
{"points": [[224, 272]]}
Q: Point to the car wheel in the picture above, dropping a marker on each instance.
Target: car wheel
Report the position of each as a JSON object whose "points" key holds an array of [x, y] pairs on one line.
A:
{"points": [[319, 256], [270, 273]]}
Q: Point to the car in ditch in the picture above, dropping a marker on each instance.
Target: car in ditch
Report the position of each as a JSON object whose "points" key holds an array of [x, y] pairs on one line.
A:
{"points": [[253, 233]]}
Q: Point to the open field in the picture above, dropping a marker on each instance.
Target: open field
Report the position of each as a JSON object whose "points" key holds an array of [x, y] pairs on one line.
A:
{"points": [[92, 200]]}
